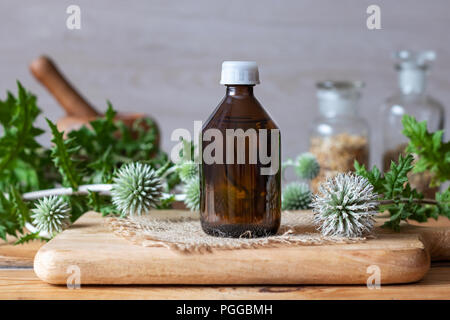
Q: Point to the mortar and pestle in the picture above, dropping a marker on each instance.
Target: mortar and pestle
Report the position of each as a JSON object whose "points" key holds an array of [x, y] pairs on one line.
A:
{"points": [[79, 111]]}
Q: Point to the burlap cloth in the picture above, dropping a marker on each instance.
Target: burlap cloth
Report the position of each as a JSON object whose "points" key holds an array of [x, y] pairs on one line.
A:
{"points": [[184, 233]]}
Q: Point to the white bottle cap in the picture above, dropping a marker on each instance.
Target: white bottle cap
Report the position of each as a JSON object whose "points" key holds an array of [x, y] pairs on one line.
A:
{"points": [[239, 72]]}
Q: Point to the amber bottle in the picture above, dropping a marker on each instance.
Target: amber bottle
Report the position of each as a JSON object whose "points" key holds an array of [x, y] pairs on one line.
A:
{"points": [[238, 197]]}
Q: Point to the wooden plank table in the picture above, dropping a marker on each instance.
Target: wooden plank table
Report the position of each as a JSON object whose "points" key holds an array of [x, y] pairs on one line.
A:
{"points": [[18, 281]]}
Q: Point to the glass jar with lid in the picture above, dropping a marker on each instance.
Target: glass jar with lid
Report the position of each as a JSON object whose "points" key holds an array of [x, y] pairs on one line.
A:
{"points": [[413, 100], [339, 136]]}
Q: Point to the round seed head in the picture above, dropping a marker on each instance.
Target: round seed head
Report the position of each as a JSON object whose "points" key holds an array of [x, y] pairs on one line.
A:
{"points": [[136, 189], [187, 170], [192, 191], [345, 206], [296, 196], [51, 214], [306, 166]]}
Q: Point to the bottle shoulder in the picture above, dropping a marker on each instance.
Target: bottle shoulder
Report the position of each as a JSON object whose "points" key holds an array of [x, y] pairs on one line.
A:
{"points": [[238, 112], [342, 120], [423, 108], [411, 102], [326, 126]]}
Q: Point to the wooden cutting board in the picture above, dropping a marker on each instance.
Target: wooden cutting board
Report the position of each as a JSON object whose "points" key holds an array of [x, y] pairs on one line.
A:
{"points": [[103, 258]]}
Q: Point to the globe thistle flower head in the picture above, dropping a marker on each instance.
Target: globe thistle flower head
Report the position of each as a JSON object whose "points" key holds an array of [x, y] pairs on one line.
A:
{"points": [[51, 214], [137, 188], [187, 171], [306, 166], [192, 192], [345, 206], [296, 196]]}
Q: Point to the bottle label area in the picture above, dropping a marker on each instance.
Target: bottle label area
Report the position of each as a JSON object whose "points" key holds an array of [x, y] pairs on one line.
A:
{"points": [[258, 147], [237, 146]]}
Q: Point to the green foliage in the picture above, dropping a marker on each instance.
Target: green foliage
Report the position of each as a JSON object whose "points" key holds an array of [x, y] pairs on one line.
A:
{"points": [[109, 144], [165, 202], [62, 153], [17, 119], [100, 203], [91, 154], [433, 154], [21, 157], [404, 201], [30, 237], [22, 167], [10, 223]]}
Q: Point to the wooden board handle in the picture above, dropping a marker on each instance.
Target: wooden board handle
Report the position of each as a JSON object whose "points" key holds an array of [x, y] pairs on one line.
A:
{"points": [[437, 241], [46, 72]]}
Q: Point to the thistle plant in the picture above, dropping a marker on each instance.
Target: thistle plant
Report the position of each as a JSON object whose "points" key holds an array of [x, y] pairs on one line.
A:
{"points": [[296, 196], [397, 196], [187, 171], [51, 214], [137, 188], [305, 166], [80, 164], [345, 206], [192, 193]]}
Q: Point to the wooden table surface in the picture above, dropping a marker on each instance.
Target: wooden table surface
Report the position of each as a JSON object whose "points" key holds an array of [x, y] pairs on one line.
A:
{"points": [[18, 281]]}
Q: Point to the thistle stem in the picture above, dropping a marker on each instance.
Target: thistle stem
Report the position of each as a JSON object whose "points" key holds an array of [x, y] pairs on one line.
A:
{"points": [[102, 189], [167, 172], [419, 201]]}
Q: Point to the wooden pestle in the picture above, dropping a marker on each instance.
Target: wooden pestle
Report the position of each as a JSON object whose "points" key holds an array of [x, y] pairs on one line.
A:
{"points": [[48, 74], [79, 111]]}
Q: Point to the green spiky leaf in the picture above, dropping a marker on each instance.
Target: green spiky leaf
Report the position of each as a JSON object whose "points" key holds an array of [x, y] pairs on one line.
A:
{"points": [[433, 154], [62, 152]]}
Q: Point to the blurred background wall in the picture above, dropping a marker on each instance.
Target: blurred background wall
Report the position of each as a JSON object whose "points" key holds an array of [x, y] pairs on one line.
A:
{"points": [[163, 57]]}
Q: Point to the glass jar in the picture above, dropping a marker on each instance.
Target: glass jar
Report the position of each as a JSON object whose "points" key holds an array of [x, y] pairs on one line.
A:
{"points": [[413, 100], [339, 136]]}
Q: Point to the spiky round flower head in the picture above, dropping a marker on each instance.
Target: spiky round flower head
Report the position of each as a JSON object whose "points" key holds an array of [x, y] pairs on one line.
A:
{"points": [[306, 166], [296, 196], [187, 170], [136, 189], [51, 214], [192, 192], [345, 206]]}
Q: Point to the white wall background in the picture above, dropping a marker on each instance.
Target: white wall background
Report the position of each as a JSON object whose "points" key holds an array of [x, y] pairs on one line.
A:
{"points": [[163, 57]]}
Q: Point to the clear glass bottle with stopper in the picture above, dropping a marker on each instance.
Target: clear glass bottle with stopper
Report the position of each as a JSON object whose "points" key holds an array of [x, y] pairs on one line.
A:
{"points": [[339, 136], [413, 100]]}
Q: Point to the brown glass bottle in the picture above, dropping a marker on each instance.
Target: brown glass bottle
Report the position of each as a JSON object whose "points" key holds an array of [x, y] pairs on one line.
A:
{"points": [[237, 200]]}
